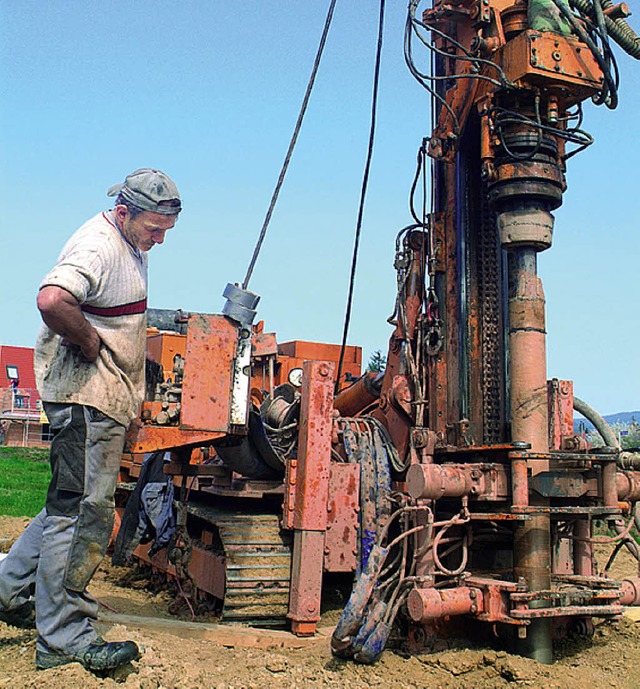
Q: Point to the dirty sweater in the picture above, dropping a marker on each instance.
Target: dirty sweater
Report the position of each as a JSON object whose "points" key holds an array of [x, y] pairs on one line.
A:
{"points": [[108, 277]]}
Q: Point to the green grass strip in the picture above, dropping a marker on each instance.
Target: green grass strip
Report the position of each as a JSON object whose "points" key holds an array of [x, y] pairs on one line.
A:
{"points": [[24, 478]]}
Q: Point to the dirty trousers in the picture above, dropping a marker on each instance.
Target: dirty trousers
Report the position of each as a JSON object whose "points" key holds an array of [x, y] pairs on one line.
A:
{"points": [[62, 547]]}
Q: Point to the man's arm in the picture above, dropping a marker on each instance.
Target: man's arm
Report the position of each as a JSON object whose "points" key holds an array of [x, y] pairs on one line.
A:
{"points": [[61, 311]]}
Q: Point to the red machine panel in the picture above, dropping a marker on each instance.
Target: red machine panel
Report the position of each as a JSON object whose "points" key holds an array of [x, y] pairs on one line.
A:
{"points": [[211, 345]]}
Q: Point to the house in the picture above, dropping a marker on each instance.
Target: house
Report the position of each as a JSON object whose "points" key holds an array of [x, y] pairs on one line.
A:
{"points": [[21, 418]]}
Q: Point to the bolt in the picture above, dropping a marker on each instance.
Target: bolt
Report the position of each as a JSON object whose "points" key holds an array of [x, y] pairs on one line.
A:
{"points": [[323, 370]]}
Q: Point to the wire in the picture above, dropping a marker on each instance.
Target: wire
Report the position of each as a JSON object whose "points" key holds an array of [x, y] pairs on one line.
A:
{"points": [[466, 57], [363, 193], [421, 80], [292, 144], [610, 87]]}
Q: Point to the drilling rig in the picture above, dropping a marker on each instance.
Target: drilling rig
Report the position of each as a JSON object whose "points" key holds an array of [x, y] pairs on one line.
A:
{"points": [[452, 484]]}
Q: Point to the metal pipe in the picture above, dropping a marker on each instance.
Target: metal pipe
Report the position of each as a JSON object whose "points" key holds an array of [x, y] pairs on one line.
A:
{"points": [[527, 354], [530, 424], [364, 392], [532, 555], [583, 548], [429, 604]]}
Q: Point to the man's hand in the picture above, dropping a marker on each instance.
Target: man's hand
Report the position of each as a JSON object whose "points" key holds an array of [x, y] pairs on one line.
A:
{"points": [[90, 353], [61, 311]]}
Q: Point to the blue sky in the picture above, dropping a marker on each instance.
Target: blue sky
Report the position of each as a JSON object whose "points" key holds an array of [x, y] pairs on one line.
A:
{"points": [[209, 92]]}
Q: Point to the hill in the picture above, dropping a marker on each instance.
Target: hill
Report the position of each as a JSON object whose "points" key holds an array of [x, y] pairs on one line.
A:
{"points": [[622, 418]]}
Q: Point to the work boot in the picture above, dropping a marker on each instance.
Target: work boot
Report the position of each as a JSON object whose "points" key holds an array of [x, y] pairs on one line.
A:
{"points": [[24, 616], [100, 655]]}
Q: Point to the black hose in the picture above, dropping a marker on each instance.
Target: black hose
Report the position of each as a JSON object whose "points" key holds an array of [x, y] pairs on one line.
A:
{"points": [[618, 29], [609, 86]]}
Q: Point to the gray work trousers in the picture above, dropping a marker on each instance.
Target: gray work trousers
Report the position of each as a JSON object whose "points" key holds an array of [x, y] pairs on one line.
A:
{"points": [[61, 549]]}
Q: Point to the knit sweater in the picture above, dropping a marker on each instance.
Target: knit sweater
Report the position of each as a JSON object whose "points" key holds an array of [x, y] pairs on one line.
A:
{"points": [[108, 277]]}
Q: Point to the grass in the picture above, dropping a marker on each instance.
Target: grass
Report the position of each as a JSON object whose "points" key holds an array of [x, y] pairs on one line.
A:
{"points": [[24, 478]]}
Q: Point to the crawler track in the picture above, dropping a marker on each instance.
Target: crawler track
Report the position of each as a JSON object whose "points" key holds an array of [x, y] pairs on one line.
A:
{"points": [[258, 569], [258, 565]]}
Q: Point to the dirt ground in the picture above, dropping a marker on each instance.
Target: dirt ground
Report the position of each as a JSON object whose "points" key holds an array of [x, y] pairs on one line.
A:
{"points": [[223, 657]]}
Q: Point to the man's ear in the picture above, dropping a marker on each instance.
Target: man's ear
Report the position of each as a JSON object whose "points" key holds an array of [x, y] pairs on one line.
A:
{"points": [[121, 212]]}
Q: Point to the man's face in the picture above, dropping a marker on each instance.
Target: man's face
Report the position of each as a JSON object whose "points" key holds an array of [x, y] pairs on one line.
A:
{"points": [[146, 229]]}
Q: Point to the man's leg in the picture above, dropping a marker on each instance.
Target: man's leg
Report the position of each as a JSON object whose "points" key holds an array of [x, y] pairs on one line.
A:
{"points": [[85, 456], [18, 575]]}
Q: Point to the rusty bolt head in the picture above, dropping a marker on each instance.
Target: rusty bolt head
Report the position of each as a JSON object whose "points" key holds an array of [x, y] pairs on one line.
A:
{"points": [[323, 370], [419, 439]]}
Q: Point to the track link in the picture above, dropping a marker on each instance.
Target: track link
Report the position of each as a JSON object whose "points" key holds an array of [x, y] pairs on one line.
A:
{"points": [[258, 558]]}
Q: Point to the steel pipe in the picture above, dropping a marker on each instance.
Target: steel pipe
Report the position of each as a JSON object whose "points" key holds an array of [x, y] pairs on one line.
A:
{"points": [[432, 604]]}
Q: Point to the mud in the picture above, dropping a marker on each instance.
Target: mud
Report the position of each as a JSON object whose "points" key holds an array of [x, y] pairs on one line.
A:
{"points": [[224, 658]]}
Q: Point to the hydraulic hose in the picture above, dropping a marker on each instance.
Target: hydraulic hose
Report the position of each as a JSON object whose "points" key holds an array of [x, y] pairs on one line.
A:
{"points": [[610, 439], [598, 421], [618, 29]]}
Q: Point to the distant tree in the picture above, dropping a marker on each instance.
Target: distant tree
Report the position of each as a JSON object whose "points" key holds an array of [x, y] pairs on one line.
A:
{"points": [[377, 362], [627, 433], [632, 437]]}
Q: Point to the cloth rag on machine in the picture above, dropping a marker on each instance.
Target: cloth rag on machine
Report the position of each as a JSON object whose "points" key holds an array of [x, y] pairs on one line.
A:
{"points": [[148, 515]]}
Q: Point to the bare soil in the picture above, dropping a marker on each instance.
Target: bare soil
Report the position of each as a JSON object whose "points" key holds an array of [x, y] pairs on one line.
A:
{"points": [[185, 656]]}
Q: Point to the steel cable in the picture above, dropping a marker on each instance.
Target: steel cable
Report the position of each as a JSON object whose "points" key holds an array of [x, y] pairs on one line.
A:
{"points": [[363, 193], [292, 144]]}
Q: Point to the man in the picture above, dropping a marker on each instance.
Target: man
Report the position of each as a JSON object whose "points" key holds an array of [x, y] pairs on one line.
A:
{"points": [[89, 363]]}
